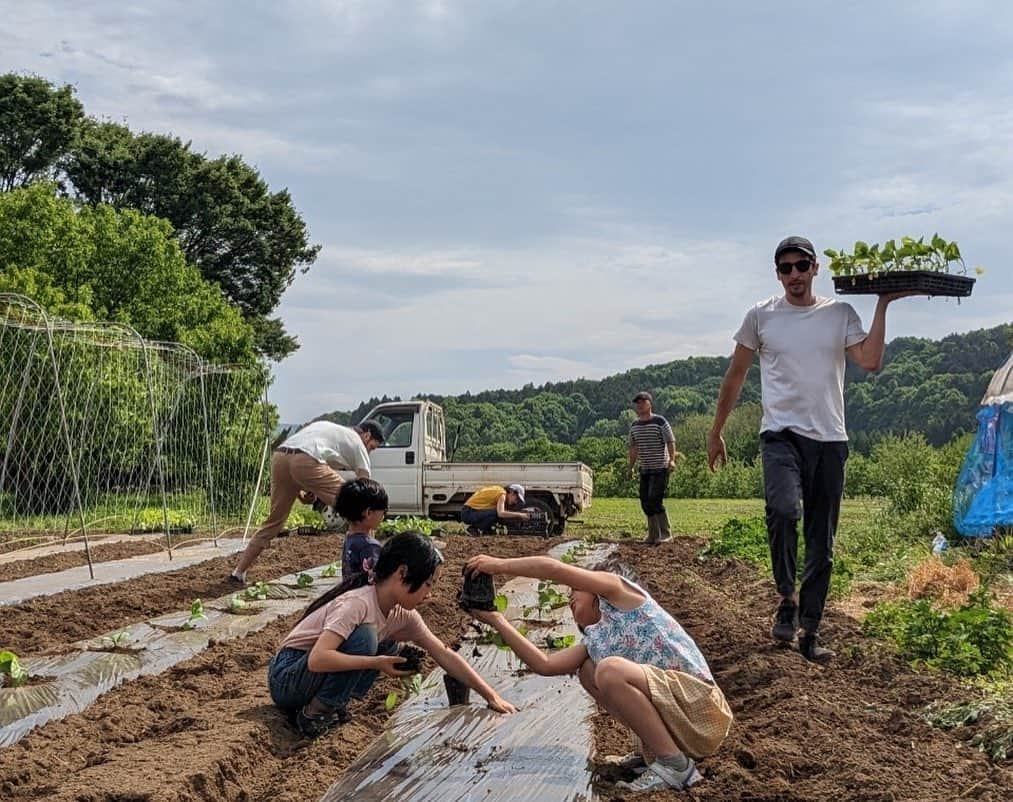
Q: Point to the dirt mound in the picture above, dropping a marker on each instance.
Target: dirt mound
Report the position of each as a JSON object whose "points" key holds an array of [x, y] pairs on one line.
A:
{"points": [[206, 730]]}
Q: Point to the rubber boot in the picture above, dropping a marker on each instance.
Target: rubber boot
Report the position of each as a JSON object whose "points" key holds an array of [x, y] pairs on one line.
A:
{"points": [[652, 530], [664, 532]]}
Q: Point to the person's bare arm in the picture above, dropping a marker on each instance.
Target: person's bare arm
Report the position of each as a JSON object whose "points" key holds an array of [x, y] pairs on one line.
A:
{"points": [[634, 456], [460, 669], [503, 512], [602, 583], [868, 354], [731, 387], [565, 661]]}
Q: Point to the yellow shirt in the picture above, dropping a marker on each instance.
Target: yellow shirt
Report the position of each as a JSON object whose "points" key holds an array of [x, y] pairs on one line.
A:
{"points": [[486, 498]]}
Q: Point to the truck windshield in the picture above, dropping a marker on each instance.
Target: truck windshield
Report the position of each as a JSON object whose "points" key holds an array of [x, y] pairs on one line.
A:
{"points": [[397, 427]]}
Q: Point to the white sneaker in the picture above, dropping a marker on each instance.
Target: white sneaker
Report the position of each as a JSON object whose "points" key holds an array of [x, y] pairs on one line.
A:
{"points": [[659, 776]]}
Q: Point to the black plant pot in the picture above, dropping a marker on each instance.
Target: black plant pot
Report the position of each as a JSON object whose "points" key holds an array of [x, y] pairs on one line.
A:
{"points": [[457, 691], [478, 593]]}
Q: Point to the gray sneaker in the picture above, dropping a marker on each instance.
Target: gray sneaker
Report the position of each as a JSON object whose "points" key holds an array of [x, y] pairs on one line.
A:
{"points": [[659, 777]]}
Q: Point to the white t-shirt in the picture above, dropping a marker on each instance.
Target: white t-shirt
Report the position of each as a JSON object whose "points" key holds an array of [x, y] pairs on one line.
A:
{"points": [[802, 362], [339, 446]]}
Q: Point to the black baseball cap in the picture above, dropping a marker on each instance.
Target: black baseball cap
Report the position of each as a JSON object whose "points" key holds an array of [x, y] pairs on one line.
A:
{"points": [[643, 395], [794, 244]]}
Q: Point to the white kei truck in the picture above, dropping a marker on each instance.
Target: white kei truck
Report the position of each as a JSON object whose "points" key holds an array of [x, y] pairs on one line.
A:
{"points": [[412, 466]]}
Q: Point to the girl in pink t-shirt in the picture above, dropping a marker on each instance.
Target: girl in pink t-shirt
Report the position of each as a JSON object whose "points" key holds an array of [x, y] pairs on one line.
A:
{"points": [[351, 633]]}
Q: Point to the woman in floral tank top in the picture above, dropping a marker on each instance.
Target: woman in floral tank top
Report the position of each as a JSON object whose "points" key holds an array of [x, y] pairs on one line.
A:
{"points": [[634, 659]]}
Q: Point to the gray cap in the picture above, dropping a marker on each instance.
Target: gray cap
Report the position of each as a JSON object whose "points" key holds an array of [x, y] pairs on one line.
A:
{"points": [[794, 244], [519, 490]]}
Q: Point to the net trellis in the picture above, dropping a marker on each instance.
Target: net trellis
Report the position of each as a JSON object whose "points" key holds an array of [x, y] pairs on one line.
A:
{"points": [[102, 431]]}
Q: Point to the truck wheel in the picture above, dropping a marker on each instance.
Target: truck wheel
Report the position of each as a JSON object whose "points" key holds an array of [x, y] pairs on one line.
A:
{"points": [[546, 509]]}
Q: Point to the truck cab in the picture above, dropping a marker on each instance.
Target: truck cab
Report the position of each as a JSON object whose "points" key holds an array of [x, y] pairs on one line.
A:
{"points": [[412, 465]]}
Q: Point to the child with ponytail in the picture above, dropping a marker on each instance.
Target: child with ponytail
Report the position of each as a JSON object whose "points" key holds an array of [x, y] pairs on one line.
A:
{"points": [[353, 632]]}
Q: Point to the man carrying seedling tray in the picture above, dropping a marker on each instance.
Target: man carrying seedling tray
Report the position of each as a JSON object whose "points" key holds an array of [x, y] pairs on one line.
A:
{"points": [[802, 340]]}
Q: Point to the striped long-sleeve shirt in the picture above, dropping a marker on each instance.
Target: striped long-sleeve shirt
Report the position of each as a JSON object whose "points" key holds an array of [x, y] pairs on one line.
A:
{"points": [[651, 438]]}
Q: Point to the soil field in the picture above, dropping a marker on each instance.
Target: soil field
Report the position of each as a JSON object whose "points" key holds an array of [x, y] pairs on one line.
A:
{"points": [[61, 561], [206, 730]]}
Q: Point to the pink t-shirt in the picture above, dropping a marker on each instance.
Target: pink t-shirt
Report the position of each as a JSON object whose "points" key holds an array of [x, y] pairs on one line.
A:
{"points": [[342, 615]]}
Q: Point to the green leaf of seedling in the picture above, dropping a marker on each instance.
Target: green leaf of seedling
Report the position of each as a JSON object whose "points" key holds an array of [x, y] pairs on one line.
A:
{"points": [[560, 642], [391, 702], [11, 666], [304, 580], [330, 570], [568, 558], [237, 603], [500, 602]]}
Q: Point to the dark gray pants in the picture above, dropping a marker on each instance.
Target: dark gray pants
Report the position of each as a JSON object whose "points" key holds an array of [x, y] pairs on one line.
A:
{"points": [[803, 474], [652, 491]]}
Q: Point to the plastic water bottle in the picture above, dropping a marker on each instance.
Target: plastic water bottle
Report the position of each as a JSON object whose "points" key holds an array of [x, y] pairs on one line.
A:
{"points": [[939, 544]]}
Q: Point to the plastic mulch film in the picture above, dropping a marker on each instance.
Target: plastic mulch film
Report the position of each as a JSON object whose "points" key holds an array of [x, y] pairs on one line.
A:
{"points": [[467, 752], [65, 684], [983, 496], [20, 590]]}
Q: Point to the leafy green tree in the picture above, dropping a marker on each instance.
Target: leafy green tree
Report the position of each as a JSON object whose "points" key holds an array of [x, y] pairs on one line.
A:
{"points": [[243, 237], [38, 122], [99, 263]]}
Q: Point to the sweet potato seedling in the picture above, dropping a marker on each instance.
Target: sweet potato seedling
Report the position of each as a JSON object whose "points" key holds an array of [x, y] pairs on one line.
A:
{"points": [[560, 641], [11, 670], [117, 639], [330, 570], [304, 580], [257, 592], [196, 614], [236, 604]]}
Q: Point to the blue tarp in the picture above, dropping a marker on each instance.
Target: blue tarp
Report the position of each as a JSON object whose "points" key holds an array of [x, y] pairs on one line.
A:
{"points": [[983, 497]]}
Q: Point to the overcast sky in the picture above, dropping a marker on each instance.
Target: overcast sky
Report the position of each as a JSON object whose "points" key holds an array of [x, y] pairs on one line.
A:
{"points": [[513, 192]]}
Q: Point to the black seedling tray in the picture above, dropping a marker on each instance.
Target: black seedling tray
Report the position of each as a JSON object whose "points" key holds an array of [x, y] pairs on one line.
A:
{"points": [[926, 281]]}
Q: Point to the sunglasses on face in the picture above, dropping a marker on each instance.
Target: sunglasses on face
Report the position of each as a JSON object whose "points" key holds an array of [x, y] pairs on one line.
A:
{"points": [[802, 266]]}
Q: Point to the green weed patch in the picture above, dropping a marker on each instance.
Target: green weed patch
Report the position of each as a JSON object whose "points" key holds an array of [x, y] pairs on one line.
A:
{"points": [[972, 640]]}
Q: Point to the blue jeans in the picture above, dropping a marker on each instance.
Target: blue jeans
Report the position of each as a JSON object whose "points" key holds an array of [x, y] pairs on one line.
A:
{"points": [[293, 685], [482, 520]]}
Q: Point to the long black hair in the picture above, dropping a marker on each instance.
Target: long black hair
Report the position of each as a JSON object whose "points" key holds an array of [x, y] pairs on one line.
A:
{"points": [[411, 549]]}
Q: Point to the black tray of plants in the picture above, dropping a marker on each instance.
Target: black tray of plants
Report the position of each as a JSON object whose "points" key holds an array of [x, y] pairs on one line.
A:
{"points": [[910, 266], [928, 282]]}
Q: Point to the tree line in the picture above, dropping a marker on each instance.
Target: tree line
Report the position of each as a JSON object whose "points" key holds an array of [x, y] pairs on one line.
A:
{"points": [[930, 389], [101, 222]]}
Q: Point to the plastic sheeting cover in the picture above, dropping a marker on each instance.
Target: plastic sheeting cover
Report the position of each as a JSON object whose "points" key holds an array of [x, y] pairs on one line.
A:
{"points": [[467, 752], [983, 496], [20, 590], [67, 683]]}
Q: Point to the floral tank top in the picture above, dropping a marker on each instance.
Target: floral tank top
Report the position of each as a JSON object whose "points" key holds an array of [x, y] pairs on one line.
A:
{"points": [[647, 635]]}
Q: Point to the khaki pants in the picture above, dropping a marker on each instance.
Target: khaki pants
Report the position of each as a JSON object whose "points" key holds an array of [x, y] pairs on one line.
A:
{"points": [[290, 473]]}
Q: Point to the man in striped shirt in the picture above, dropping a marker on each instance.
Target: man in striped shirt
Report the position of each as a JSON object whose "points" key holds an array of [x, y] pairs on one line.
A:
{"points": [[652, 444]]}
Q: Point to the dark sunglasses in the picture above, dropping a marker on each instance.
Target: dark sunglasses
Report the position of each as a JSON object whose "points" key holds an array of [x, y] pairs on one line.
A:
{"points": [[802, 266]]}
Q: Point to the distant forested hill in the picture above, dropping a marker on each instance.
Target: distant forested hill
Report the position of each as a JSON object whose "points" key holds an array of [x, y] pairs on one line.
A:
{"points": [[926, 386]]}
